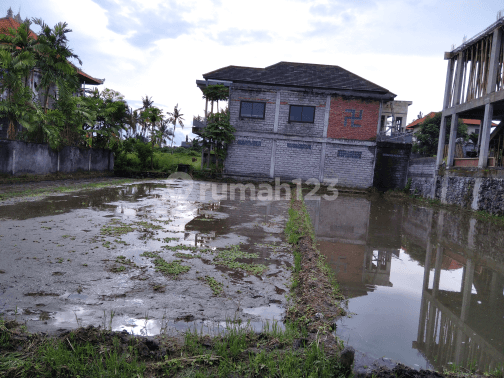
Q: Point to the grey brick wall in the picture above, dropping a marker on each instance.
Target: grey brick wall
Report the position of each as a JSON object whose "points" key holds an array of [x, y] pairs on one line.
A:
{"points": [[352, 165], [246, 157], [297, 159], [297, 146], [250, 124], [288, 98]]}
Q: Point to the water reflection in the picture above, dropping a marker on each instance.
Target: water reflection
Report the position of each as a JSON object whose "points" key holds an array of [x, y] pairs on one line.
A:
{"points": [[426, 285]]}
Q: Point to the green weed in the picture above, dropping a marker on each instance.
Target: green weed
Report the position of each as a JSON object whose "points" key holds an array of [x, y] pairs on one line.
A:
{"points": [[173, 268], [228, 258], [214, 285]]}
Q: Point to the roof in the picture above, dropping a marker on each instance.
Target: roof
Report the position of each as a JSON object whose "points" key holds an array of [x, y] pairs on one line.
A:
{"points": [[418, 121], [467, 121], [298, 74], [9, 22], [88, 79]]}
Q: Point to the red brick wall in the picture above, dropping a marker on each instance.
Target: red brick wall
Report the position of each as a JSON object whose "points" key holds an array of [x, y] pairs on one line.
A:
{"points": [[367, 125]]}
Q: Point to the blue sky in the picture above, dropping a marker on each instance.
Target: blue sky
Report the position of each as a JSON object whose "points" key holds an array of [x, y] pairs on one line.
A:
{"points": [[160, 48]]}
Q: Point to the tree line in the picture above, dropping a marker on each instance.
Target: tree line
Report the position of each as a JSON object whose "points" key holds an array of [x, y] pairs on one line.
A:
{"points": [[57, 110]]}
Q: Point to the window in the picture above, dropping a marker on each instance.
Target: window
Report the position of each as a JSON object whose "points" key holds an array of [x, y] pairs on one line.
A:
{"points": [[250, 109], [398, 121], [476, 131], [298, 113]]}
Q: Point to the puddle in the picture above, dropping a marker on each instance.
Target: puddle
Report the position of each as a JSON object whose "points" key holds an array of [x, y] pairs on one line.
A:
{"points": [[425, 285], [145, 257]]}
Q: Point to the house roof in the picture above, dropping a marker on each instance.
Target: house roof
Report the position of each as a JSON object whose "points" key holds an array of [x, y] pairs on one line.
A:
{"points": [[9, 22], [298, 74], [417, 122]]}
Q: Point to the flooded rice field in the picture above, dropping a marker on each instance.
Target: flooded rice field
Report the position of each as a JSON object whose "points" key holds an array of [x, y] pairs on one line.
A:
{"points": [[147, 258], [425, 286]]}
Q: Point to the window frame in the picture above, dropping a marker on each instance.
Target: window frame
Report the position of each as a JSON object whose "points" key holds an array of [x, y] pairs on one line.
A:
{"points": [[252, 102], [302, 106]]}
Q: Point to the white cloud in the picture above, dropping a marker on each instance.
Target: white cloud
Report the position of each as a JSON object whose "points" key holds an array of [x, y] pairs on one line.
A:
{"points": [[160, 48]]}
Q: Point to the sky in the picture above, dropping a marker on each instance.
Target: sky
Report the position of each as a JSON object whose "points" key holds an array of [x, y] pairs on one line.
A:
{"points": [[160, 48]]}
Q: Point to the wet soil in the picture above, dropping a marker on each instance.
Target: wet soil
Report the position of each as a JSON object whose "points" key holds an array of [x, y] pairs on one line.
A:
{"points": [[148, 258], [12, 192]]}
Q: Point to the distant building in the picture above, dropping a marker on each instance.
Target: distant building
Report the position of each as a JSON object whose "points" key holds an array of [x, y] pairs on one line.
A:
{"points": [[11, 21], [473, 125]]}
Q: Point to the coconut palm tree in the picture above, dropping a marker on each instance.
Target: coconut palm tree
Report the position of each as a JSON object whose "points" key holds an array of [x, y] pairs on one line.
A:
{"points": [[175, 117], [53, 57]]}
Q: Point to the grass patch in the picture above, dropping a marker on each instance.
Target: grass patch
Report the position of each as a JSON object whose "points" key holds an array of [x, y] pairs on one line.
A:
{"points": [[173, 268], [149, 226], [167, 240], [229, 256], [182, 255], [214, 285], [315, 295], [150, 254], [115, 228]]}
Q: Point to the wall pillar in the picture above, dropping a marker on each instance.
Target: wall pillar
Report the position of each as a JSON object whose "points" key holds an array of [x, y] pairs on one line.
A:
{"points": [[14, 161]]}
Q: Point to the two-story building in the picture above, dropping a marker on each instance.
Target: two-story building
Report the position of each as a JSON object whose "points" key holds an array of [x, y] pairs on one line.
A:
{"points": [[301, 121]]}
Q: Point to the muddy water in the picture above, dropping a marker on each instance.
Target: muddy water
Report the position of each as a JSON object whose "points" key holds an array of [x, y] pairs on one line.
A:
{"points": [[425, 286], [93, 257]]}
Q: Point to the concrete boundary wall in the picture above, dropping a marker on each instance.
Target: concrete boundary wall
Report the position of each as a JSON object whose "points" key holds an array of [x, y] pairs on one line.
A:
{"points": [[18, 158], [469, 188], [422, 172]]}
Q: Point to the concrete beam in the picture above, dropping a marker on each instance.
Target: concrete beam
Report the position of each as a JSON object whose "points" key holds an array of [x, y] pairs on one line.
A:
{"points": [[479, 102]]}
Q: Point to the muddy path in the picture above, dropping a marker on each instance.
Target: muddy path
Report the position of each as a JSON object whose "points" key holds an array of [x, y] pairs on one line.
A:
{"points": [[148, 258]]}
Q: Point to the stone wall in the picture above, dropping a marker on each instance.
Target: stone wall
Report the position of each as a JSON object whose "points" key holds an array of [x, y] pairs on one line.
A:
{"points": [[18, 157], [469, 188]]}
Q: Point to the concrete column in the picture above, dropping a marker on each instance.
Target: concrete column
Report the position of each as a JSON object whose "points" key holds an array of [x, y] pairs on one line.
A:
{"points": [[466, 289], [453, 139], [424, 304], [277, 112], [441, 142], [485, 136], [494, 60], [326, 116], [378, 129], [324, 135], [446, 104], [437, 270], [273, 157]]}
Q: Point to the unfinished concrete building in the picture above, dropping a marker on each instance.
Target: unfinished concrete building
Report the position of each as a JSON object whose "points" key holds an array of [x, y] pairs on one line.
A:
{"points": [[394, 116], [474, 90]]}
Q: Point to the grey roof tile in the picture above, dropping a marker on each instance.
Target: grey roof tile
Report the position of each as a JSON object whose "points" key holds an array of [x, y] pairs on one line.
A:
{"points": [[297, 74]]}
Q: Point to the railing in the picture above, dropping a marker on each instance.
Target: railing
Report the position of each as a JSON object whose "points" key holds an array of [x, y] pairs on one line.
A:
{"points": [[395, 137]]}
